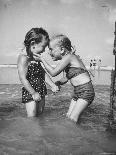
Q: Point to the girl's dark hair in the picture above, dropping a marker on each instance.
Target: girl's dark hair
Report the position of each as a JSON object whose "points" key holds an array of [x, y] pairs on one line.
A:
{"points": [[35, 34]]}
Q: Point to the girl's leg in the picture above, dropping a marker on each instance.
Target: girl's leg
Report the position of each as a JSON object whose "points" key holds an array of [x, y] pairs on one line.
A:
{"points": [[40, 106], [79, 107], [31, 109], [72, 104], [35, 108]]}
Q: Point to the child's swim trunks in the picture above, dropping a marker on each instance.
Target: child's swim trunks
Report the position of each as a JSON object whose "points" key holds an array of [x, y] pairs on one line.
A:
{"points": [[85, 91]]}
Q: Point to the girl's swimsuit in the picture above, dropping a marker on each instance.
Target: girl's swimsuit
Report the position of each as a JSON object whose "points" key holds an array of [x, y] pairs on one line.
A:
{"points": [[74, 71], [36, 77], [84, 91]]}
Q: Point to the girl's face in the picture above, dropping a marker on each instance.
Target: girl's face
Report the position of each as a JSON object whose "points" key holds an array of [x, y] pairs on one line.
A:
{"points": [[55, 51], [38, 47]]}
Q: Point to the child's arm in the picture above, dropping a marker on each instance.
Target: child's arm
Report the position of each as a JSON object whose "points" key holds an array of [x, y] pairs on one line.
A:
{"points": [[62, 81], [58, 69], [22, 71], [49, 81]]}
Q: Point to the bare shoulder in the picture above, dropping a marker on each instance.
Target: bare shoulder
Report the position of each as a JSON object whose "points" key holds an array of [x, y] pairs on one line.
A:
{"points": [[76, 61], [22, 56], [73, 57], [22, 60], [66, 59], [77, 57]]}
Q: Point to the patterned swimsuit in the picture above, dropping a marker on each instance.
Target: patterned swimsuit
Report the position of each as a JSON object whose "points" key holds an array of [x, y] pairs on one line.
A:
{"points": [[36, 77]]}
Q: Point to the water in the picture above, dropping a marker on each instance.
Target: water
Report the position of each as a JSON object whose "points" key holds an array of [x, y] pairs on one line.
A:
{"points": [[52, 133], [102, 77], [9, 75]]}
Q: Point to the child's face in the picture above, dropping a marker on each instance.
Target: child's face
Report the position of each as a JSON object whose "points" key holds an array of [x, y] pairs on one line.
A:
{"points": [[55, 51], [38, 48]]}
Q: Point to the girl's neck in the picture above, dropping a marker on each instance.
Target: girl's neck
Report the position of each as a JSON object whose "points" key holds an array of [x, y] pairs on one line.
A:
{"points": [[30, 58]]}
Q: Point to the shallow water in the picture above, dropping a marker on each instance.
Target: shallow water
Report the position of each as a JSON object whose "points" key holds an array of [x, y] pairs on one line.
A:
{"points": [[9, 75], [51, 133], [40, 136]]}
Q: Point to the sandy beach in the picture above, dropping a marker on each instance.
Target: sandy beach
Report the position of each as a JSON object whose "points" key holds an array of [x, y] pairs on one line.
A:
{"points": [[52, 133]]}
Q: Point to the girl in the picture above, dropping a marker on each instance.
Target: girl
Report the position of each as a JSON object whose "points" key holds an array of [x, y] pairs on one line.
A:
{"points": [[61, 49], [31, 73]]}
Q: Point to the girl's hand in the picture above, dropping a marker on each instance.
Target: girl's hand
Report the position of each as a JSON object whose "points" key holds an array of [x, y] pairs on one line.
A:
{"points": [[55, 89], [58, 85], [36, 96], [37, 57]]}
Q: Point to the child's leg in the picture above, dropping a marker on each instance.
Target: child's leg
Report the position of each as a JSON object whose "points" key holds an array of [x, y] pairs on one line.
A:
{"points": [[78, 109], [31, 109], [40, 106], [72, 104]]}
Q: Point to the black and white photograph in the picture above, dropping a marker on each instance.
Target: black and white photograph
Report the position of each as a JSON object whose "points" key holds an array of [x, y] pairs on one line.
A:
{"points": [[58, 77]]}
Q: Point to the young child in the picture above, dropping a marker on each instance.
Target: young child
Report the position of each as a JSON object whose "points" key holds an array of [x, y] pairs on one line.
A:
{"points": [[61, 49], [31, 73]]}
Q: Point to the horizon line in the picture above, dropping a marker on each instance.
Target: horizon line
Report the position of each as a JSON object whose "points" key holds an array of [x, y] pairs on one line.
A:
{"points": [[88, 67], [54, 65]]}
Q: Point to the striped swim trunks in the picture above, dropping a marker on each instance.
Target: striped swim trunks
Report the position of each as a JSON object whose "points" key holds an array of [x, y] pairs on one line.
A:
{"points": [[84, 91]]}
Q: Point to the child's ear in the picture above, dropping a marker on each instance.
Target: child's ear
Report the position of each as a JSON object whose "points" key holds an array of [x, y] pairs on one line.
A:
{"points": [[62, 50]]}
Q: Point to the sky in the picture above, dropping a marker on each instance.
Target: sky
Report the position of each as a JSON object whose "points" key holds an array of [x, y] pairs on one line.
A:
{"points": [[89, 24]]}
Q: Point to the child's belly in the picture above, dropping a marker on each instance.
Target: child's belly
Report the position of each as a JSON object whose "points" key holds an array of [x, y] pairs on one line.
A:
{"points": [[80, 79]]}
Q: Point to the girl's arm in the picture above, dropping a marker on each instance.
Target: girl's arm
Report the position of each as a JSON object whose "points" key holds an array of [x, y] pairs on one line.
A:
{"points": [[22, 70], [49, 81], [59, 68], [62, 81]]}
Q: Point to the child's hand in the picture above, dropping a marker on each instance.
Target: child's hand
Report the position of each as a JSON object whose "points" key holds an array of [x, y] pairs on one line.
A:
{"points": [[55, 89], [36, 96], [57, 83], [37, 57]]}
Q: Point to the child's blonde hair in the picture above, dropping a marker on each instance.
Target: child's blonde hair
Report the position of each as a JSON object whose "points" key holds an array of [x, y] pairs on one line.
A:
{"points": [[64, 42]]}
